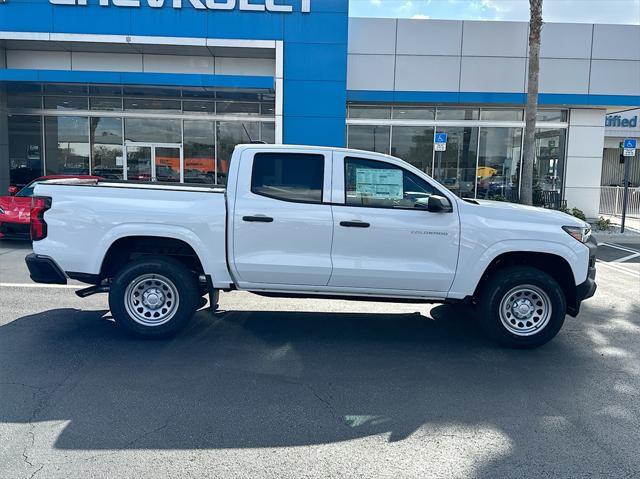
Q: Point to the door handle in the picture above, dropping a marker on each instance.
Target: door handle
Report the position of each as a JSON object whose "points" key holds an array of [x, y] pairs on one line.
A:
{"points": [[354, 224], [257, 219]]}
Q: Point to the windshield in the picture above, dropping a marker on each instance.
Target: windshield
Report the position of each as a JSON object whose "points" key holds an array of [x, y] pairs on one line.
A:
{"points": [[28, 190]]}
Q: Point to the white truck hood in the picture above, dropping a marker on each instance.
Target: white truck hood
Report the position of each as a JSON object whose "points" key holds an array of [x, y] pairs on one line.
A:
{"points": [[526, 213]]}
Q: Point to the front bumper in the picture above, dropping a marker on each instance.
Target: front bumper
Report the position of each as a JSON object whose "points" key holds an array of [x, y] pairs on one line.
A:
{"points": [[588, 288], [43, 269]]}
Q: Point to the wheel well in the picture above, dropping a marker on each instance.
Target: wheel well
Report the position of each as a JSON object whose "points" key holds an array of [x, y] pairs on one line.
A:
{"points": [[130, 248], [554, 265]]}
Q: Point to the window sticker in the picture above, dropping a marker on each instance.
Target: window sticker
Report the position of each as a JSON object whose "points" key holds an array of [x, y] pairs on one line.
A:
{"points": [[378, 183]]}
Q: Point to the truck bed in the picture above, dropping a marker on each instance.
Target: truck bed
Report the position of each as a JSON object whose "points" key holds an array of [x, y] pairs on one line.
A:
{"points": [[88, 217]]}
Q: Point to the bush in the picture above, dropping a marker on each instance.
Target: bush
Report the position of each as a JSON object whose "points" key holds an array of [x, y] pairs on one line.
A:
{"points": [[603, 224], [578, 213]]}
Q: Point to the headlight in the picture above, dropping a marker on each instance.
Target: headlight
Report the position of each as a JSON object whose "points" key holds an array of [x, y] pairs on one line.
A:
{"points": [[581, 233], [1, 211]]}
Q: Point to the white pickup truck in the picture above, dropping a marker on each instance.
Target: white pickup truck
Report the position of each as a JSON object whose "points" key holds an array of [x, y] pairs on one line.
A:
{"points": [[299, 221]]}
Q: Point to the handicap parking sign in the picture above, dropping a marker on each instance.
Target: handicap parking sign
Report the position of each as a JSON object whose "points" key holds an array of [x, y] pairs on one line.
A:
{"points": [[630, 143], [441, 137]]}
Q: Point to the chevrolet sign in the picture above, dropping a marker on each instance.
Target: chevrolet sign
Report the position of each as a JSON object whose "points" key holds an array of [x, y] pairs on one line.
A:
{"points": [[245, 5]]}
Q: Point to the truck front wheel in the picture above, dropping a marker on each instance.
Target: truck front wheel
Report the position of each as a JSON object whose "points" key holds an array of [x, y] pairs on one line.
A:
{"points": [[153, 297], [522, 307]]}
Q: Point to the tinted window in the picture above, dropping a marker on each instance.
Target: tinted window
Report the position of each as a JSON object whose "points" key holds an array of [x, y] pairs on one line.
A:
{"points": [[288, 176], [27, 190], [383, 185]]}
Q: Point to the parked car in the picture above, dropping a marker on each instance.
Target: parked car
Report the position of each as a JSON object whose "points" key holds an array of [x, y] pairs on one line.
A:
{"points": [[15, 208], [300, 221]]}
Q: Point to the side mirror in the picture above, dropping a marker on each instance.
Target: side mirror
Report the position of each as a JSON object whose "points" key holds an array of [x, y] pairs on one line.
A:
{"points": [[438, 204], [13, 190]]}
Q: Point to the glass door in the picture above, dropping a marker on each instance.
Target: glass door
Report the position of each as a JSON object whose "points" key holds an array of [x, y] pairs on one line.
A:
{"points": [[154, 162], [138, 161], [166, 163]]}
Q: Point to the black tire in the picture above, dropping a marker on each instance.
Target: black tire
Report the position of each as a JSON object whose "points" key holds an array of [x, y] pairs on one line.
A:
{"points": [[177, 286], [498, 288]]}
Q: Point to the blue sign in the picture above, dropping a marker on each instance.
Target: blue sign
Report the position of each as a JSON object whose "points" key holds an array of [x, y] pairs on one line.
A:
{"points": [[630, 143], [441, 137]]}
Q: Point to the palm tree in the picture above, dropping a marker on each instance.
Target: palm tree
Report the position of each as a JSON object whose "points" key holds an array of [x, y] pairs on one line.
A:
{"points": [[528, 157]]}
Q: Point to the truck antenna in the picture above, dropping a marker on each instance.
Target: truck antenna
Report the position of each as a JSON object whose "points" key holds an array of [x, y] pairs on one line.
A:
{"points": [[250, 139]]}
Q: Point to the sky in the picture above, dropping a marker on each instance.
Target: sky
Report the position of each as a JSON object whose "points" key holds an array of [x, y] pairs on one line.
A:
{"points": [[568, 11]]}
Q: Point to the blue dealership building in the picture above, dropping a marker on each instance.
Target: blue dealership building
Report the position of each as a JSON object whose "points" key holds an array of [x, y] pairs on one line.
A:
{"points": [[164, 89]]}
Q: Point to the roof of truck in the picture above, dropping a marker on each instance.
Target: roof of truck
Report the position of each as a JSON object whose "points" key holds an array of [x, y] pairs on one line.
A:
{"points": [[263, 146]]}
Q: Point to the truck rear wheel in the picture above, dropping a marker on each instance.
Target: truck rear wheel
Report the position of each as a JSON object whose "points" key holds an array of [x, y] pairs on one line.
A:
{"points": [[522, 307], [153, 297]]}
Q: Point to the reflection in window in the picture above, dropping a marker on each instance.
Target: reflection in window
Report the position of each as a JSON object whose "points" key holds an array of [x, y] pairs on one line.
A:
{"points": [[229, 135], [549, 163], [237, 108], [65, 103], [167, 164], [67, 145], [413, 144], [370, 111], [106, 147], [552, 115], [152, 105], [151, 130], [33, 102], [268, 132], [106, 104], [413, 113], [25, 149], [501, 114], [455, 168], [499, 163], [199, 152], [202, 106], [369, 137], [383, 185], [288, 176], [457, 114]]}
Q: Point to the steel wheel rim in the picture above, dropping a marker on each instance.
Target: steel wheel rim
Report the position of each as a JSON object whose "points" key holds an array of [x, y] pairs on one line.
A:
{"points": [[525, 310], [151, 300]]}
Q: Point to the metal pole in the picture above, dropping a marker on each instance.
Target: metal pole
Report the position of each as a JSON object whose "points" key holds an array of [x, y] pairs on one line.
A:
{"points": [[627, 162]]}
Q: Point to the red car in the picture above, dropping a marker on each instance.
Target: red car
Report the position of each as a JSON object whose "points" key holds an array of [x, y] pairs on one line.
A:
{"points": [[15, 208]]}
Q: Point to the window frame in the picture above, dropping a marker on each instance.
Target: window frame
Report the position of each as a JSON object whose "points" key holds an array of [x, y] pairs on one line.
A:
{"points": [[436, 190], [287, 200]]}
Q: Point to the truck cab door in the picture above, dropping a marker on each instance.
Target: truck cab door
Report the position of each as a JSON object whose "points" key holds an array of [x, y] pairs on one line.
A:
{"points": [[384, 237], [281, 219]]}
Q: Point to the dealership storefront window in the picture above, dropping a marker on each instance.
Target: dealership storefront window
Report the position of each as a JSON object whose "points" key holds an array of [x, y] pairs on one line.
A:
{"points": [[484, 145], [132, 133]]}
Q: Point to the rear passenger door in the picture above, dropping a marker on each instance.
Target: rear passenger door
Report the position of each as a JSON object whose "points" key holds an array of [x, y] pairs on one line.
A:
{"points": [[282, 219]]}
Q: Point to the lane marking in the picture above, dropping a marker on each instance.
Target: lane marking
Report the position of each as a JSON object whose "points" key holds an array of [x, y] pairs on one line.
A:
{"points": [[623, 248], [626, 258], [620, 269], [36, 285]]}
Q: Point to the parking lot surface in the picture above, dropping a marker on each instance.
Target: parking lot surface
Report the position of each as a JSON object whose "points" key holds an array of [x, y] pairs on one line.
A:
{"points": [[285, 388]]}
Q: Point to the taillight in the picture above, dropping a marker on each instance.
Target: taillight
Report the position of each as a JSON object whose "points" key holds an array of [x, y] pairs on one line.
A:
{"points": [[39, 204]]}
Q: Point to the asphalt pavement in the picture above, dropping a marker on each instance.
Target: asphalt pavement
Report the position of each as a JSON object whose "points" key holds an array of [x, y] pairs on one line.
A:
{"points": [[270, 388]]}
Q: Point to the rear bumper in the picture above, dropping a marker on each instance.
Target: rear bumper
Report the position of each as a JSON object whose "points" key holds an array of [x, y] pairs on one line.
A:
{"points": [[16, 231], [587, 289], [43, 269]]}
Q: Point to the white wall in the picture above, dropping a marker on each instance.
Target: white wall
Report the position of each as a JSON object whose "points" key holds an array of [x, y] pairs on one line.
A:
{"points": [[479, 56], [584, 160]]}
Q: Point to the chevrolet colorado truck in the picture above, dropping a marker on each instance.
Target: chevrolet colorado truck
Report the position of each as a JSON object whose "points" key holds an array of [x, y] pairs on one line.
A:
{"points": [[300, 221]]}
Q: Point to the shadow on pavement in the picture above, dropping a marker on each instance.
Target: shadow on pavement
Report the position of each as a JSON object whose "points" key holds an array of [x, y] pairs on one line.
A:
{"points": [[274, 379]]}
